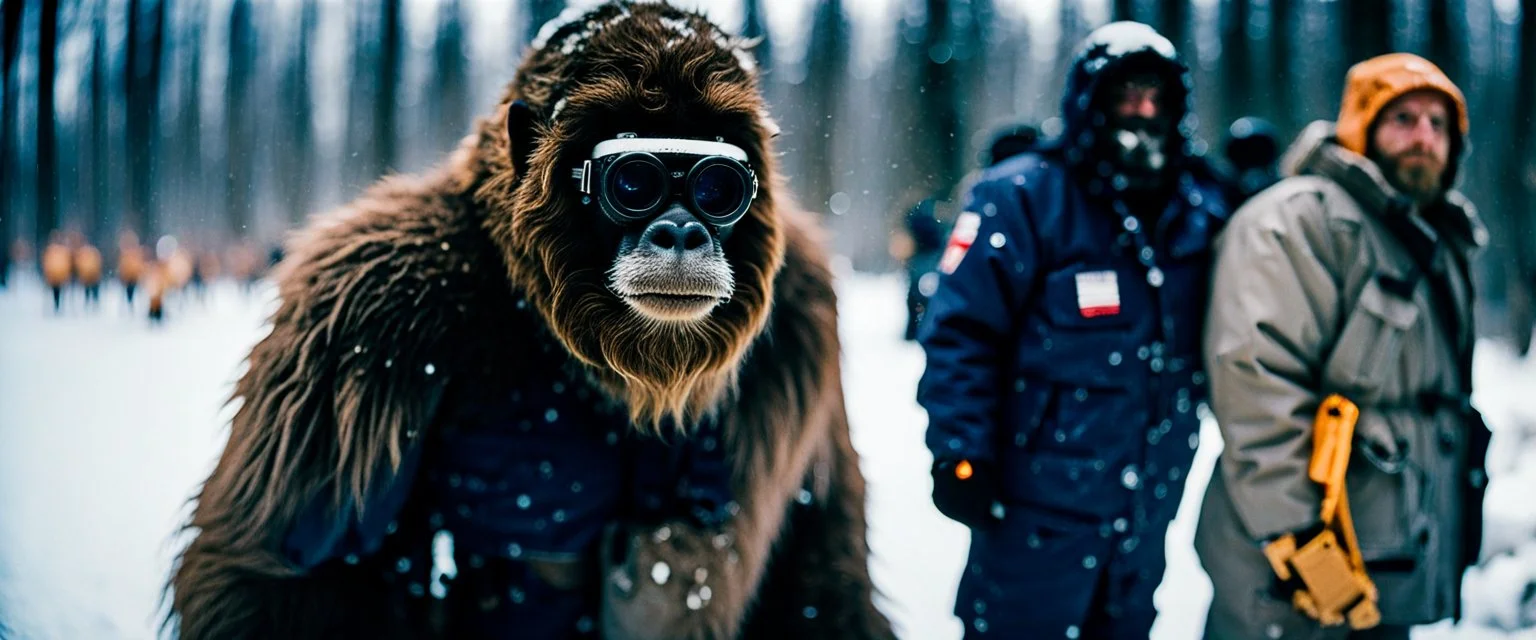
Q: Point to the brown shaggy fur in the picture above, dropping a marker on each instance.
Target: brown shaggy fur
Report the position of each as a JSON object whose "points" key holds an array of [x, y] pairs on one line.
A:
{"points": [[423, 271]]}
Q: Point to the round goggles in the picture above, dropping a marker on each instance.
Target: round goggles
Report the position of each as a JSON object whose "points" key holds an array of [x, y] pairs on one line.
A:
{"points": [[634, 179]]}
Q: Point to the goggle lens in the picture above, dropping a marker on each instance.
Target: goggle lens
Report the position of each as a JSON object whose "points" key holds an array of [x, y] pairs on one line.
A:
{"points": [[637, 185], [718, 191]]}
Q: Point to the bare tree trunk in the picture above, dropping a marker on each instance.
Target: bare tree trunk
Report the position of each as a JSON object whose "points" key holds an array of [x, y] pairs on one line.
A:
{"points": [[755, 26], [1442, 45], [538, 13], [1525, 120], [1071, 31], [97, 170], [239, 185], [1518, 190], [1173, 22], [939, 106], [1281, 51], [201, 184], [450, 102], [10, 43], [826, 78], [384, 108], [1123, 10], [1365, 30], [142, 79], [296, 162], [357, 151], [1239, 94], [47, 143]]}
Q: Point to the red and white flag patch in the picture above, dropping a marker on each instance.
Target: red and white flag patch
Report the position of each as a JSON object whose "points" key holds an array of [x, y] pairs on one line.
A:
{"points": [[1098, 294], [960, 240]]}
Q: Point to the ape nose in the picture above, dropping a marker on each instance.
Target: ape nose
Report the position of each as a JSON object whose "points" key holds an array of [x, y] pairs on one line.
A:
{"points": [[676, 232]]}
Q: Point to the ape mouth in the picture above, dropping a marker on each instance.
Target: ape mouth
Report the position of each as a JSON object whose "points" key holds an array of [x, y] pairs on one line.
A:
{"points": [[673, 306], [670, 290]]}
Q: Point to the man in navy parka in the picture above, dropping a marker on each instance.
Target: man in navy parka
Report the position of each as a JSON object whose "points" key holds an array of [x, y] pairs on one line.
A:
{"points": [[1063, 352]]}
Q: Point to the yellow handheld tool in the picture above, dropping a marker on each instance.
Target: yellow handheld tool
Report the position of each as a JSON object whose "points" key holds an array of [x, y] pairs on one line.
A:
{"points": [[1335, 587]]}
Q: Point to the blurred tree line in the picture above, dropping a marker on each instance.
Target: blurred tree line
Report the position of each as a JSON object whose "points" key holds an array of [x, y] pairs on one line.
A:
{"points": [[227, 120]]}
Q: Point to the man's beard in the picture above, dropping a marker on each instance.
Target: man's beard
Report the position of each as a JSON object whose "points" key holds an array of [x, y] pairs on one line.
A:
{"points": [[1416, 174], [1136, 147]]}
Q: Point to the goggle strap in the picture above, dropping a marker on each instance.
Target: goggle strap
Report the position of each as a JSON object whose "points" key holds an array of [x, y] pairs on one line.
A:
{"points": [[669, 145], [584, 176]]}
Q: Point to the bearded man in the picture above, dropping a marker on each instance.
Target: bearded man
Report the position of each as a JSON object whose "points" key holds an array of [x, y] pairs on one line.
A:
{"points": [[1349, 279]]}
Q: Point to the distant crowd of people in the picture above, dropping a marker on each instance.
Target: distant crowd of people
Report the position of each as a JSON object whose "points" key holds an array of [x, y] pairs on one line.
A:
{"points": [[151, 274]]}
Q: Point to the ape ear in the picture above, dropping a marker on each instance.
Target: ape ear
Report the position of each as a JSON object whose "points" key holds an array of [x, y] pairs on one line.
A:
{"points": [[520, 135]]}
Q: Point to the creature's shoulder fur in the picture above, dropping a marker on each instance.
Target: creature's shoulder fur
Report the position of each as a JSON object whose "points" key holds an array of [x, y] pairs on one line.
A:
{"points": [[374, 303], [797, 350], [380, 295]]}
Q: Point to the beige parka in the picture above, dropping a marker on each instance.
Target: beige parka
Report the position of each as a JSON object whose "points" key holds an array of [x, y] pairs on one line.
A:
{"points": [[1313, 294]]}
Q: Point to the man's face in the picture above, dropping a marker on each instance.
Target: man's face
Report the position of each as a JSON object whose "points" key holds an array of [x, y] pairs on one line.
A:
{"points": [[1412, 143], [1136, 98], [1138, 124]]}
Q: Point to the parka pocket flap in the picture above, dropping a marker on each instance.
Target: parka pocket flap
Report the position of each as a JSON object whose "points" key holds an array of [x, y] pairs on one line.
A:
{"points": [[1383, 298], [1377, 444]]}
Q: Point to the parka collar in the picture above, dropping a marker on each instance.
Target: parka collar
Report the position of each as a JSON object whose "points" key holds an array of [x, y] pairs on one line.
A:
{"points": [[1316, 152]]}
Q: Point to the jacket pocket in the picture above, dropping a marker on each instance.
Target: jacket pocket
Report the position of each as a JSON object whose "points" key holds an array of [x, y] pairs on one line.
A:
{"points": [[1089, 421], [1092, 316], [1385, 495], [1092, 297], [1029, 403], [1066, 465], [1371, 343]]}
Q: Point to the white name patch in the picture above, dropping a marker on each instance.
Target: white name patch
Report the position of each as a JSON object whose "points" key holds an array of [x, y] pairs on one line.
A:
{"points": [[1098, 294]]}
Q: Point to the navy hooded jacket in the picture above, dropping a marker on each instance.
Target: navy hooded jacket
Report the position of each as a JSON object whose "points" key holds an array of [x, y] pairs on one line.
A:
{"points": [[1064, 341]]}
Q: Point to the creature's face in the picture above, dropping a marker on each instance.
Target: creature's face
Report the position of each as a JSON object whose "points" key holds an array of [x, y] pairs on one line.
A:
{"points": [[1412, 143], [671, 202], [632, 218]]}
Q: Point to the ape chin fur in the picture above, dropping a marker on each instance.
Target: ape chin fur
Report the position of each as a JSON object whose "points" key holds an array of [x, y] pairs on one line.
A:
{"points": [[400, 300]]}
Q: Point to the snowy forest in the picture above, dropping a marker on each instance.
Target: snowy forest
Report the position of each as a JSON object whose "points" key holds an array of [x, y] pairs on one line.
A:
{"points": [[217, 127], [231, 121]]}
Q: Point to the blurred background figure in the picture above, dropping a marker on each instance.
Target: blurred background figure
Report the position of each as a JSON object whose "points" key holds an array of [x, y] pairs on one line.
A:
{"points": [[58, 268], [1252, 150], [917, 246], [274, 256], [156, 282], [87, 261], [1009, 141], [19, 254], [176, 263], [207, 270], [919, 243], [1522, 305], [244, 265], [130, 263]]}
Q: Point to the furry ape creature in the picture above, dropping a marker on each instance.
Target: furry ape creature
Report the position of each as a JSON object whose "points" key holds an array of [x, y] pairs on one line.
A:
{"points": [[629, 430]]}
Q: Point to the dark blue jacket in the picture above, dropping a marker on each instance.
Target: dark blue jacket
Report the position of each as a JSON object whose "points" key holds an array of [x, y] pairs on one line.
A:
{"points": [[530, 466], [1052, 352], [1065, 345]]}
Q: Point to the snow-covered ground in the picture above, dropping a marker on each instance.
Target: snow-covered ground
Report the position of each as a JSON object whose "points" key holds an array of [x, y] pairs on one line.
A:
{"points": [[107, 424]]}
